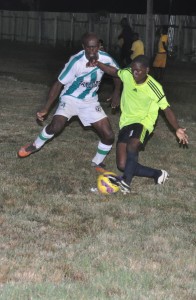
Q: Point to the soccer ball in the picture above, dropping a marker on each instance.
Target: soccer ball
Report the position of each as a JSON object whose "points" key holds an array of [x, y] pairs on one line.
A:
{"points": [[105, 185]]}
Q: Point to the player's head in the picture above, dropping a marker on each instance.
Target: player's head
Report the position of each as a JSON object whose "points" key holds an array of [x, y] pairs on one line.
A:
{"points": [[140, 67], [90, 43], [124, 22], [135, 36]]}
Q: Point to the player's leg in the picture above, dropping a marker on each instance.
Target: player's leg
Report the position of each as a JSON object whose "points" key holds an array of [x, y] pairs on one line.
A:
{"points": [[157, 66], [121, 155], [55, 127], [65, 110], [92, 114], [132, 151], [163, 66], [162, 72], [133, 168], [135, 135], [106, 134]]}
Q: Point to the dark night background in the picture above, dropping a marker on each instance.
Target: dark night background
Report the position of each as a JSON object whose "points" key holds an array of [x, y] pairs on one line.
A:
{"points": [[174, 7]]}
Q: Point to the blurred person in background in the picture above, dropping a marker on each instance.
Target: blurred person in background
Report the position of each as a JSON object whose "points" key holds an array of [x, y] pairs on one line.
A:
{"points": [[125, 40], [101, 45], [137, 46], [159, 63]]}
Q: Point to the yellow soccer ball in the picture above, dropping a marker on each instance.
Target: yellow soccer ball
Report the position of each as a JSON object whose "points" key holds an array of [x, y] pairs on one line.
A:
{"points": [[105, 185]]}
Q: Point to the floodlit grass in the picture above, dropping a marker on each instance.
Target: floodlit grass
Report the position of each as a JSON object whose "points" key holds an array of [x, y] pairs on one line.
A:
{"points": [[60, 241]]}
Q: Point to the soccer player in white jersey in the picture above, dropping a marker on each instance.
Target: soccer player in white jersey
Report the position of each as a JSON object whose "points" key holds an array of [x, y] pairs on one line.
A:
{"points": [[77, 85]]}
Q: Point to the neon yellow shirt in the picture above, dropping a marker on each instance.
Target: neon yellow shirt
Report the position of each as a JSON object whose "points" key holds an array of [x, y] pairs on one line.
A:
{"points": [[140, 103]]}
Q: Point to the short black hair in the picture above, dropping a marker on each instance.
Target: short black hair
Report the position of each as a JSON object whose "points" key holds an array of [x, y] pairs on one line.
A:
{"points": [[89, 35], [142, 59], [124, 22], [135, 35]]}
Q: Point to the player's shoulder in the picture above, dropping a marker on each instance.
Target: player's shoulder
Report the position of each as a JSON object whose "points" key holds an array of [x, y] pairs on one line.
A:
{"points": [[105, 57], [126, 71], [153, 82], [77, 56], [155, 87], [75, 59]]}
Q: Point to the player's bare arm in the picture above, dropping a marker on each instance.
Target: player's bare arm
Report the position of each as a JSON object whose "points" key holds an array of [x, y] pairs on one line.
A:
{"points": [[115, 99], [53, 94], [180, 132], [110, 70]]}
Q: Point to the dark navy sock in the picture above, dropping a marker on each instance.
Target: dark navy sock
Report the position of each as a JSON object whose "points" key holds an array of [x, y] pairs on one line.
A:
{"points": [[143, 171], [130, 167], [133, 168]]}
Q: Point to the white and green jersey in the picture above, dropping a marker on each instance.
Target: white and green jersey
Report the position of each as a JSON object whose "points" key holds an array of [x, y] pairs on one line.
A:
{"points": [[140, 103], [83, 82]]}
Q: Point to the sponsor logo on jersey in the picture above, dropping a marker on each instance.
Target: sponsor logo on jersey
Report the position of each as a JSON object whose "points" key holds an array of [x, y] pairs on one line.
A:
{"points": [[90, 85]]}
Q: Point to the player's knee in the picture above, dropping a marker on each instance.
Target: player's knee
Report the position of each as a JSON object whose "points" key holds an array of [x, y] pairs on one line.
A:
{"points": [[111, 138], [108, 138], [133, 145], [120, 165], [55, 127]]}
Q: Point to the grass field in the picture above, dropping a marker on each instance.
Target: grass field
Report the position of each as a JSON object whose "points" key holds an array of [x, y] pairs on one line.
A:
{"points": [[60, 241]]}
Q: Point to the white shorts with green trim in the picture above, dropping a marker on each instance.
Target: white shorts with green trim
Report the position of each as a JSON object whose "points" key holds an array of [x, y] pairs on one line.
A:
{"points": [[87, 111]]}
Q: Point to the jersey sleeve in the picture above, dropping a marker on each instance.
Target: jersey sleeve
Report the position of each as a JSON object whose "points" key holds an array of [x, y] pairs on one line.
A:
{"points": [[125, 74], [120, 74], [107, 59], [162, 100], [68, 73], [163, 103]]}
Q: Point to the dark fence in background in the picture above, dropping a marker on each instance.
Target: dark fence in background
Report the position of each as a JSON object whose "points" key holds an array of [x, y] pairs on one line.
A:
{"points": [[57, 28]]}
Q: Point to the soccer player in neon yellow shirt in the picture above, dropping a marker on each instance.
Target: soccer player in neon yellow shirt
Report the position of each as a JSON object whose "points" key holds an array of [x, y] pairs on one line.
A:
{"points": [[142, 97]]}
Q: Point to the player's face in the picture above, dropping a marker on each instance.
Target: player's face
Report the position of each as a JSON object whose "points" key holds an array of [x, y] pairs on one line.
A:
{"points": [[91, 48], [139, 72]]}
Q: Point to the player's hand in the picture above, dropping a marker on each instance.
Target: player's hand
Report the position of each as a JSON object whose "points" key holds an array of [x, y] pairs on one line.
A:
{"points": [[182, 136], [92, 62], [114, 104], [115, 100], [109, 99], [41, 115]]}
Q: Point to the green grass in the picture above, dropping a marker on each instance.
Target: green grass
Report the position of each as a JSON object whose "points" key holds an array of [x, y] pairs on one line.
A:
{"points": [[60, 241]]}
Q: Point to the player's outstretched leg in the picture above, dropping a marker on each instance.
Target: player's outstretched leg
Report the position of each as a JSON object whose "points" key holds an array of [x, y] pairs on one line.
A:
{"points": [[36, 145], [162, 177], [27, 150]]}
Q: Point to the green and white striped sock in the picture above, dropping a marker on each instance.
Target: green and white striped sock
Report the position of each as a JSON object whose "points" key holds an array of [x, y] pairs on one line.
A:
{"points": [[102, 151], [42, 138]]}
